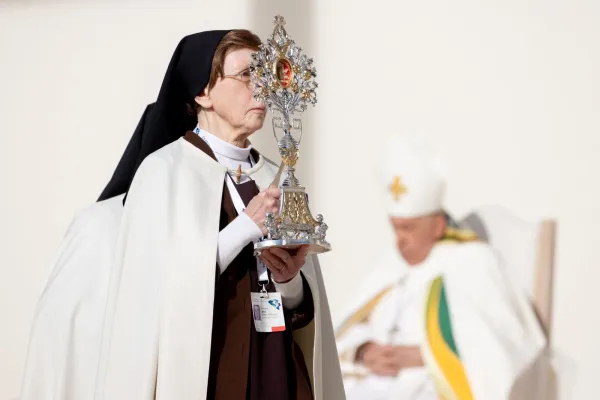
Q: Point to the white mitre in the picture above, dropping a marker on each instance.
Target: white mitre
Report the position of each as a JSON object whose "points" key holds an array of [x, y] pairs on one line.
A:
{"points": [[412, 176]]}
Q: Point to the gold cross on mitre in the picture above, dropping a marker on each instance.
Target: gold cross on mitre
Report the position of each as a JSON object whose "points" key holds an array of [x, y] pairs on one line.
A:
{"points": [[397, 188]]}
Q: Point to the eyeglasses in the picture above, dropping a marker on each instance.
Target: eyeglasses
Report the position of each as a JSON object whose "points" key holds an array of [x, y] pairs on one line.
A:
{"points": [[242, 76]]}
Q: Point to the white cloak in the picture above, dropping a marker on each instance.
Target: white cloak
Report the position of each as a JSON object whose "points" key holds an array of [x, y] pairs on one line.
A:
{"points": [[64, 343], [157, 333], [64, 349], [495, 329]]}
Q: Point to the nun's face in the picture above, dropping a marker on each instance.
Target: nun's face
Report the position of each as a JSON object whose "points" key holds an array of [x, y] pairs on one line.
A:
{"points": [[231, 97]]}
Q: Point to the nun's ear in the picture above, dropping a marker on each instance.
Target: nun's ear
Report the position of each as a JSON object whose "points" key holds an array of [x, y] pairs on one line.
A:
{"points": [[203, 99]]}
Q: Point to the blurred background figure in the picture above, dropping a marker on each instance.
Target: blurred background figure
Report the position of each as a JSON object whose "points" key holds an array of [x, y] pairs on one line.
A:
{"points": [[438, 317]]}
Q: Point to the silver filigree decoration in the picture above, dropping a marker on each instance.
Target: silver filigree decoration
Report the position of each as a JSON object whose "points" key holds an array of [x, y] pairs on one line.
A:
{"points": [[282, 77]]}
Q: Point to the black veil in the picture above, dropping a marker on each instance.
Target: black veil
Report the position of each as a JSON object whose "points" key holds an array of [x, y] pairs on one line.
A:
{"points": [[168, 119]]}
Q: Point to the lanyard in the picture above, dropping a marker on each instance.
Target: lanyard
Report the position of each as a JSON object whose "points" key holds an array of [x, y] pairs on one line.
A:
{"points": [[263, 273]]}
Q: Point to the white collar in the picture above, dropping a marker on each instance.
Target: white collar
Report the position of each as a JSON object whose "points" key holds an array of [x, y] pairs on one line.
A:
{"points": [[249, 172], [221, 147]]}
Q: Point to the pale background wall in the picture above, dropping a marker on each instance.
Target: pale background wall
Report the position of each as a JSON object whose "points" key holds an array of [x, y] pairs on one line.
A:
{"points": [[507, 90]]}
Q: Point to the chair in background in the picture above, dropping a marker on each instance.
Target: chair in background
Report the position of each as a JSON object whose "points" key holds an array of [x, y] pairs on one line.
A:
{"points": [[527, 249]]}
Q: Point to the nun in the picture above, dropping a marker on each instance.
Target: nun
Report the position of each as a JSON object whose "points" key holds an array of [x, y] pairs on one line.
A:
{"points": [[153, 291]]}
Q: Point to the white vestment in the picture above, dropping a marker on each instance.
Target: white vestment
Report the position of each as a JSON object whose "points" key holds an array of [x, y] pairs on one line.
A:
{"points": [[151, 304], [494, 328]]}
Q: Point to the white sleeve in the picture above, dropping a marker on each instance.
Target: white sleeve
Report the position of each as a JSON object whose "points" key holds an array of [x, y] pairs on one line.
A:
{"points": [[292, 292], [234, 237]]}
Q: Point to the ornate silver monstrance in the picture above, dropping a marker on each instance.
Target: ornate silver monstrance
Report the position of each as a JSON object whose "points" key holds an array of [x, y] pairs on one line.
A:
{"points": [[284, 79]]}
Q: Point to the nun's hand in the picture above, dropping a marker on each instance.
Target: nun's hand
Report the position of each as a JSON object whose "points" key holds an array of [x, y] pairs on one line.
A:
{"points": [[284, 265], [263, 203]]}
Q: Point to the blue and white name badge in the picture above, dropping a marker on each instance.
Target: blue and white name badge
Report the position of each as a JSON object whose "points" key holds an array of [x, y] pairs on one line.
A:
{"points": [[267, 312]]}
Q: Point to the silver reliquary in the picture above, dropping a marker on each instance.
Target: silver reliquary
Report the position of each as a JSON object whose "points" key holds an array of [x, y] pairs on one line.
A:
{"points": [[284, 79]]}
